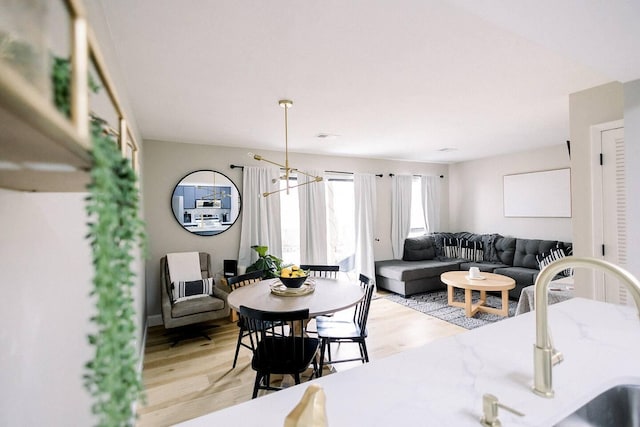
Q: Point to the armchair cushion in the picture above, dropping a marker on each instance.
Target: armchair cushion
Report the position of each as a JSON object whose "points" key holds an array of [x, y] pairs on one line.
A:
{"points": [[185, 290], [199, 304]]}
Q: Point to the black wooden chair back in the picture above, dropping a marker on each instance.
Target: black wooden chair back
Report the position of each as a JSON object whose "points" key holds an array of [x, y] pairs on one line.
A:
{"points": [[279, 345], [337, 331], [236, 282], [364, 280], [327, 271], [361, 313]]}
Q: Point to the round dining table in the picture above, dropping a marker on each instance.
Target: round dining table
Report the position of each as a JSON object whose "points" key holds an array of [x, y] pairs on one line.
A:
{"points": [[329, 296]]}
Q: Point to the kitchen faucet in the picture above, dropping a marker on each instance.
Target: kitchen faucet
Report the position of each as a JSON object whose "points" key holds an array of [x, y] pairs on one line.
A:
{"points": [[544, 355]]}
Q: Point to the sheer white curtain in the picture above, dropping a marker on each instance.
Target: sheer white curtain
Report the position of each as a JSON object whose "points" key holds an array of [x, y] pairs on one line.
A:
{"points": [[260, 215], [313, 220], [431, 202], [401, 186], [364, 188]]}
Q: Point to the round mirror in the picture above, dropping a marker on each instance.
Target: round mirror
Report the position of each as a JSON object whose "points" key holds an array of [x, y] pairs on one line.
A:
{"points": [[206, 203]]}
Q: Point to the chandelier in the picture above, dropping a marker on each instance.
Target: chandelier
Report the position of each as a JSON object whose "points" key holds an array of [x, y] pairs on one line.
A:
{"points": [[216, 194], [286, 104]]}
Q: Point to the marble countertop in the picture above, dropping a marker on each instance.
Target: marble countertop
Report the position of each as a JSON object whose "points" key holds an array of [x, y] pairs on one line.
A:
{"points": [[442, 383]]}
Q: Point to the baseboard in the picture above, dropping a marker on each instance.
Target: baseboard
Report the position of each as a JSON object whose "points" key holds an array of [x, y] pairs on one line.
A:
{"points": [[154, 320], [143, 344]]}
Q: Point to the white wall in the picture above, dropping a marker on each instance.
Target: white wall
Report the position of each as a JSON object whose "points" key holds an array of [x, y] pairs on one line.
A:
{"points": [[632, 155], [47, 270], [46, 274], [167, 162], [476, 195], [587, 108]]}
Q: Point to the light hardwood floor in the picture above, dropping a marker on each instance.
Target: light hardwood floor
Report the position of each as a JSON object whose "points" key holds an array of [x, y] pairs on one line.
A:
{"points": [[195, 377]]}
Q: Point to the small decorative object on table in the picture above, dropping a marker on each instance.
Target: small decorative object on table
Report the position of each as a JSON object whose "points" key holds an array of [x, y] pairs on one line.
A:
{"points": [[474, 274], [310, 411]]}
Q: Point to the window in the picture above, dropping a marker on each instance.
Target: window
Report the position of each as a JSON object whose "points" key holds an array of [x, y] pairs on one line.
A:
{"points": [[418, 226], [340, 203], [290, 223], [341, 221]]}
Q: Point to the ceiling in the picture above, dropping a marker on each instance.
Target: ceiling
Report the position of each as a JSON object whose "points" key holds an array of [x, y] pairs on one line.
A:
{"points": [[431, 81]]}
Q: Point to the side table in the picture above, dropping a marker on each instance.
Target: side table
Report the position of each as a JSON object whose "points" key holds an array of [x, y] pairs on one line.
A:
{"points": [[559, 290]]}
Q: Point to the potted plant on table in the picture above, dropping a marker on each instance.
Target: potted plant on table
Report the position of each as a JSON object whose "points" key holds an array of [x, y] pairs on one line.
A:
{"points": [[270, 264]]}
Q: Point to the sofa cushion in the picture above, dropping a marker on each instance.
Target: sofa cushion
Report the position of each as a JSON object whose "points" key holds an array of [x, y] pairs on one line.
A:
{"points": [[505, 249], [523, 276], [487, 267], [202, 304], [419, 248], [413, 270], [528, 249]]}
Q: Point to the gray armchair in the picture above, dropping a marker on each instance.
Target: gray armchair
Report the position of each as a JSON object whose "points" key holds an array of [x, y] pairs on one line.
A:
{"points": [[183, 313]]}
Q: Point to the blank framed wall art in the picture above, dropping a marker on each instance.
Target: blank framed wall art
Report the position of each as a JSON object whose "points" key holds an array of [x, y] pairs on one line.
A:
{"points": [[544, 194]]}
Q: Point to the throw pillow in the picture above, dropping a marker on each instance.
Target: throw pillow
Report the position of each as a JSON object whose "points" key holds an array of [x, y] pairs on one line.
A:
{"points": [[550, 256], [471, 250], [186, 290], [450, 247], [439, 239]]}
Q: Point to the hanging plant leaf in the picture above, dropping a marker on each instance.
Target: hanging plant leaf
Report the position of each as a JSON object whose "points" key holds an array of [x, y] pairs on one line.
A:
{"points": [[115, 229]]}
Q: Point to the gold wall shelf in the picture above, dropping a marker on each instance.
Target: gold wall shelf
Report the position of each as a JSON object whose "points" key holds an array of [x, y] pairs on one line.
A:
{"points": [[40, 149], [32, 132]]}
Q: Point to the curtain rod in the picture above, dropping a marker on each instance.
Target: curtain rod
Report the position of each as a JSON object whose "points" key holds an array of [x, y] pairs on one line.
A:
{"points": [[392, 174], [346, 173], [351, 173]]}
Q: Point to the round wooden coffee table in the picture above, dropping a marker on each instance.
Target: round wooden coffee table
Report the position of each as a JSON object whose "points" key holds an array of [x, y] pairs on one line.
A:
{"points": [[489, 282]]}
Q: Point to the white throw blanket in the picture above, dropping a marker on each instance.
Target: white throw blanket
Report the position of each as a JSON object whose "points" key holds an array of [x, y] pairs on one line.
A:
{"points": [[184, 266]]}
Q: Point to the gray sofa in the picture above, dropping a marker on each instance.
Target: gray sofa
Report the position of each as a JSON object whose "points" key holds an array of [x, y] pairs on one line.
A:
{"points": [[424, 261]]}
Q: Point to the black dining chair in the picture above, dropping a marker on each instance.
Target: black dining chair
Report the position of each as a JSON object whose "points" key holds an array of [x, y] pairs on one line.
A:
{"points": [[280, 345], [332, 330], [234, 283], [326, 271]]}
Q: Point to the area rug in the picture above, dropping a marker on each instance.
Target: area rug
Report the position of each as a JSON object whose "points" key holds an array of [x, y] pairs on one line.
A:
{"points": [[435, 304]]}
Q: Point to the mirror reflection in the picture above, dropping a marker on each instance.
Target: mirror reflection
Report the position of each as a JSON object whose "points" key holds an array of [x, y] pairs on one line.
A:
{"points": [[206, 202]]}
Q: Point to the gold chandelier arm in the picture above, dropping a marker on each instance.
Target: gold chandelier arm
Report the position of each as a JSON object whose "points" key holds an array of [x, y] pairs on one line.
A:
{"points": [[316, 179], [268, 161]]}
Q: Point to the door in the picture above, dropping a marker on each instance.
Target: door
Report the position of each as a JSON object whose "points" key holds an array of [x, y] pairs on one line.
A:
{"points": [[614, 218]]}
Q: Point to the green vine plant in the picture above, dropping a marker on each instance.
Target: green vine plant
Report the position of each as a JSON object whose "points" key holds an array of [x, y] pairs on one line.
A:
{"points": [[115, 229]]}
